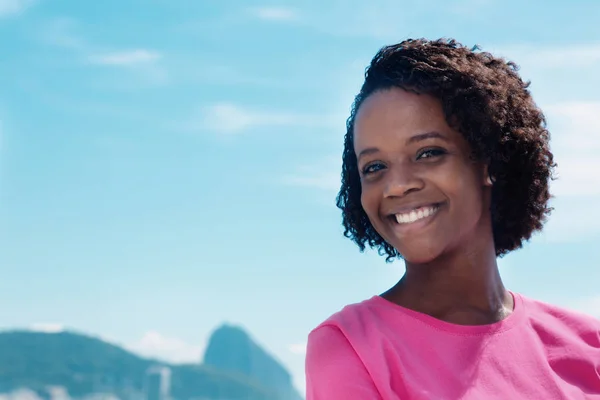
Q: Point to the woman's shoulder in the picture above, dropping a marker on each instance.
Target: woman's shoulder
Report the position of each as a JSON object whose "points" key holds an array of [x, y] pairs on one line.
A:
{"points": [[336, 353], [542, 308], [561, 320], [361, 324], [351, 317], [344, 337]]}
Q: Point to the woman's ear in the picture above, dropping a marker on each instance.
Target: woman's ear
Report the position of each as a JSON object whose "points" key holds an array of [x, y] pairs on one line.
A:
{"points": [[488, 179]]}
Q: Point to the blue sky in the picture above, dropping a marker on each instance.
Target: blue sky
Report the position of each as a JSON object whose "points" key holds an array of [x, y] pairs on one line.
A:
{"points": [[170, 165]]}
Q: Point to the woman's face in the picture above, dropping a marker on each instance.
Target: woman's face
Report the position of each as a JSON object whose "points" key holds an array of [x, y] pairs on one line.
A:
{"points": [[420, 189]]}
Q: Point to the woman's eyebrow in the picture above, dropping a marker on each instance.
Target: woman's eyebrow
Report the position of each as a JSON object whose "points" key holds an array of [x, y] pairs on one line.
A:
{"points": [[367, 151], [427, 135]]}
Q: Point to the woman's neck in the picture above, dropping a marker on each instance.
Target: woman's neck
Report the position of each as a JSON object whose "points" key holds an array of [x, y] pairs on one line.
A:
{"points": [[463, 287]]}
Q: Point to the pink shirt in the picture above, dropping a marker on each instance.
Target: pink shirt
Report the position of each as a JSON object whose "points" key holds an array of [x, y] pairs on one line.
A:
{"points": [[378, 350]]}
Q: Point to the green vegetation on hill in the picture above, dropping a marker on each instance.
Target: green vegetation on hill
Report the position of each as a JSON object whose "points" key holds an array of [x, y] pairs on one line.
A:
{"points": [[84, 365], [230, 348]]}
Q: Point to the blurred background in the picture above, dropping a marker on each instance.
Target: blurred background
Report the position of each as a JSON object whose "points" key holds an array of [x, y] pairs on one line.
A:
{"points": [[168, 171]]}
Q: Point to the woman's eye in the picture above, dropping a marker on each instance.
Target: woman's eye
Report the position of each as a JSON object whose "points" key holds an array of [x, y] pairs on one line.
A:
{"points": [[372, 168], [429, 153]]}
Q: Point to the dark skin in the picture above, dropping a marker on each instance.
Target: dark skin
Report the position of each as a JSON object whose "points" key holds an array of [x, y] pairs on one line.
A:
{"points": [[428, 198]]}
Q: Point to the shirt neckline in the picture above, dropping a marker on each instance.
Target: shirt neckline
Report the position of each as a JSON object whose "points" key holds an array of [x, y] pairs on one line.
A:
{"points": [[507, 323]]}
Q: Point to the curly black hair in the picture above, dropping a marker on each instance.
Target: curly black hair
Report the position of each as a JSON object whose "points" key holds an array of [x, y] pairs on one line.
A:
{"points": [[484, 98]]}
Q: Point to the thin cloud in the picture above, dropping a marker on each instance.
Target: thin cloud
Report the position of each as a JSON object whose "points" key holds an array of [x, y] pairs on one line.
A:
{"points": [[230, 118], [1, 134], [126, 58], [327, 182], [589, 305], [577, 177], [171, 349], [62, 33], [323, 175], [381, 19], [298, 348], [10, 8], [578, 123], [575, 128], [20, 394], [580, 55], [46, 327], [276, 13], [471, 8], [571, 221], [384, 20]]}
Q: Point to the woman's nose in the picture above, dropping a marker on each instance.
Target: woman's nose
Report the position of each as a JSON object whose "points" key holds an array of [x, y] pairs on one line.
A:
{"points": [[400, 181]]}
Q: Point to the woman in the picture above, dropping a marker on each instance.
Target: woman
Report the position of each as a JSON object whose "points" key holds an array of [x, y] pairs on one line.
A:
{"points": [[446, 164]]}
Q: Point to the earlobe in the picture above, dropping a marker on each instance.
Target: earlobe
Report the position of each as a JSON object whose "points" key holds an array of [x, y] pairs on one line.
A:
{"points": [[489, 180]]}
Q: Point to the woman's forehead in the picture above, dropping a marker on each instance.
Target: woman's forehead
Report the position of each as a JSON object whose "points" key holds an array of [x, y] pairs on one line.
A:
{"points": [[398, 113]]}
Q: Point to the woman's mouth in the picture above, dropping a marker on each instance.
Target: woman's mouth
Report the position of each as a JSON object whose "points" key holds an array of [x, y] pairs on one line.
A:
{"points": [[416, 214]]}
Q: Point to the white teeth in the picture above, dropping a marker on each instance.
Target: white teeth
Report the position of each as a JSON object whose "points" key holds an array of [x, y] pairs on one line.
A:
{"points": [[415, 215]]}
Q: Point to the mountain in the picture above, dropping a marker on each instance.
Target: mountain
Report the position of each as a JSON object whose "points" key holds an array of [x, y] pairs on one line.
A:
{"points": [[85, 366], [231, 349]]}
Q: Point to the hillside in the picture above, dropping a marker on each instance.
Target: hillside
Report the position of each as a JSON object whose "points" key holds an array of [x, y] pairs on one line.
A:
{"points": [[85, 365], [231, 349]]}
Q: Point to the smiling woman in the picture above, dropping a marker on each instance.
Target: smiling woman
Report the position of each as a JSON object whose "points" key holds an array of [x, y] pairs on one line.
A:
{"points": [[446, 165], [420, 189]]}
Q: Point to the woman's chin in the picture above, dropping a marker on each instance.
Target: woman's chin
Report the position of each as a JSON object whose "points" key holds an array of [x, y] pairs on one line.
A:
{"points": [[419, 254], [418, 260]]}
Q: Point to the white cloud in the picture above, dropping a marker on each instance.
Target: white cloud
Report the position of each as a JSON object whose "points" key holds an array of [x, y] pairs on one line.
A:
{"points": [[47, 327], [572, 221], [386, 20], [230, 118], [298, 348], [276, 13], [20, 394], [62, 33], [589, 305], [582, 119], [13, 7], [144, 62], [126, 58], [1, 134], [58, 392], [383, 20], [557, 56], [471, 8], [577, 176], [323, 175], [171, 349], [328, 181], [575, 129]]}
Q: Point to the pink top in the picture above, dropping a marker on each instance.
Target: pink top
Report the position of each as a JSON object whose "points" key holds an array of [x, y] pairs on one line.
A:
{"points": [[378, 350]]}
